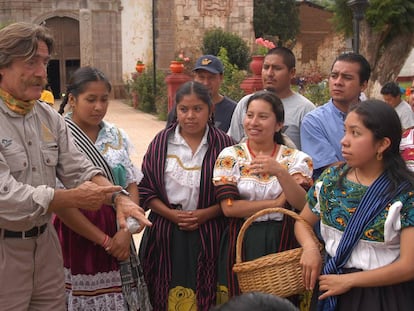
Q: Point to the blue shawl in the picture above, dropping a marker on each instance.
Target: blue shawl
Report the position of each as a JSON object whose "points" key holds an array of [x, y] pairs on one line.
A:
{"points": [[371, 205]]}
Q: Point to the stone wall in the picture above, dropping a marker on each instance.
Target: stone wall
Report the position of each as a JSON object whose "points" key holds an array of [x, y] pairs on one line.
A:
{"points": [[113, 34], [181, 25], [165, 21], [317, 44], [99, 39], [136, 34]]}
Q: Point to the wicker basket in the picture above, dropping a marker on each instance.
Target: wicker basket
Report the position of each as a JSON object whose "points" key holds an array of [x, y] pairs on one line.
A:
{"points": [[278, 274]]}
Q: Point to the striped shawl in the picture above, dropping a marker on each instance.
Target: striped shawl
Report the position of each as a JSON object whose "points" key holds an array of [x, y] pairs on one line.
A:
{"points": [[156, 244]]}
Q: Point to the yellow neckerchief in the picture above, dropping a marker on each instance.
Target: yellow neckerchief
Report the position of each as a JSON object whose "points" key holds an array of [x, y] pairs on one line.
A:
{"points": [[18, 106]]}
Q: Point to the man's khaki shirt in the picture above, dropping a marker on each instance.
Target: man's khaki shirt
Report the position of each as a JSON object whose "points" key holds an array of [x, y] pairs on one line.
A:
{"points": [[35, 149]]}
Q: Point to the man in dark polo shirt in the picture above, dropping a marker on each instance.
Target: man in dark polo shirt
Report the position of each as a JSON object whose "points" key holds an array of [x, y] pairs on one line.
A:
{"points": [[209, 71]]}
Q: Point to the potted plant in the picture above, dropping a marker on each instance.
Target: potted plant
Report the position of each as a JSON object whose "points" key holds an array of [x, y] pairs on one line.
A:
{"points": [[263, 46], [139, 66], [177, 65]]}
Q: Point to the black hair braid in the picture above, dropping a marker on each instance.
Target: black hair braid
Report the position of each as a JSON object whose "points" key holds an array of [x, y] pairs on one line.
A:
{"points": [[62, 105], [65, 100]]}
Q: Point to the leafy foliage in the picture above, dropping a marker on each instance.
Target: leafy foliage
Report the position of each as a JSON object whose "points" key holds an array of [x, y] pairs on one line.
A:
{"points": [[143, 86], [317, 93], [395, 15], [386, 36], [276, 19], [233, 77], [312, 85], [237, 49], [399, 13]]}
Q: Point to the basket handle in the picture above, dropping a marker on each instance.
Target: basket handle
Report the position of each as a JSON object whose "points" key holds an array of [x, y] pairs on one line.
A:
{"points": [[265, 211]]}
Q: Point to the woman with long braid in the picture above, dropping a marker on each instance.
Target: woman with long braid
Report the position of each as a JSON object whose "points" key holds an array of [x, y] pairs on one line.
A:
{"points": [[102, 270]]}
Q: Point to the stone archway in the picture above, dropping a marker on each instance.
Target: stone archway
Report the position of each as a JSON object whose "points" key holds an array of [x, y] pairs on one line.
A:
{"points": [[66, 56]]}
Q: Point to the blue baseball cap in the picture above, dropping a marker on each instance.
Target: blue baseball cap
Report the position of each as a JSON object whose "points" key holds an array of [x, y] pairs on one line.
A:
{"points": [[210, 63]]}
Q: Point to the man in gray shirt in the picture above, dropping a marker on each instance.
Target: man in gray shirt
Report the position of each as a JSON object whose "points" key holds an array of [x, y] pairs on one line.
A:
{"points": [[277, 73]]}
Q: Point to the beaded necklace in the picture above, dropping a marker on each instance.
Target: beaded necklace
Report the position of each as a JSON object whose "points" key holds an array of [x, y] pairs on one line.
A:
{"points": [[254, 155]]}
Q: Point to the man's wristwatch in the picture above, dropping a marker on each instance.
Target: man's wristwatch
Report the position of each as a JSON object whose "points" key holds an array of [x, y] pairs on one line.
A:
{"points": [[115, 194]]}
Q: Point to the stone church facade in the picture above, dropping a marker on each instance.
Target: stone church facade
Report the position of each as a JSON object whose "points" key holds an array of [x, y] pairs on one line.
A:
{"points": [[85, 32], [113, 34], [183, 24]]}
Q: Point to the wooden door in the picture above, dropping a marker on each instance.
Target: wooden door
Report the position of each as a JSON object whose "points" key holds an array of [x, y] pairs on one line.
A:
{"points": [[66, 56]]}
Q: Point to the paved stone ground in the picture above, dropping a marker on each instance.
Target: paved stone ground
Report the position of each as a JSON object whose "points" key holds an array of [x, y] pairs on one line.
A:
{"points": [[140, 127]]}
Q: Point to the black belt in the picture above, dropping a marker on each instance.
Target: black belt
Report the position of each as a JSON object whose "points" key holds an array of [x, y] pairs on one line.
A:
{"points": [[32, 233]]}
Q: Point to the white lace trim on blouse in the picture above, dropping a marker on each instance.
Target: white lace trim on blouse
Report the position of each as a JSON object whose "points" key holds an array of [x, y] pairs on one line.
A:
{"points": [[183, 170], [115, 146]]}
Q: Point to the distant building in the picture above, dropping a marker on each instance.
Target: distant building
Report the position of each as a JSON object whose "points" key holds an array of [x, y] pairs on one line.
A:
{"points": [[88, 32], [407, 71], [113, 34], [317, 44]]}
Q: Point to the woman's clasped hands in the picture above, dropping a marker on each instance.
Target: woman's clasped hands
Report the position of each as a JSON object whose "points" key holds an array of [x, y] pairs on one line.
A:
{"points": [[189, 220]]}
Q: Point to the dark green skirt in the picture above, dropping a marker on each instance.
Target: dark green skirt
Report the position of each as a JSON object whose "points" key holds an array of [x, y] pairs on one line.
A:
{"points": [[185, 249]]}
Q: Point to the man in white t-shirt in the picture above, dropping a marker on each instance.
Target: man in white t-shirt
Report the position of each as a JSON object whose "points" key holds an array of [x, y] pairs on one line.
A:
{"points": [[411, 97], [279, 68], [391, 93]]}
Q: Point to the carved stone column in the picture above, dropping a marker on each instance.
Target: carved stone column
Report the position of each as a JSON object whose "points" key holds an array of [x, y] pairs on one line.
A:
{"points": [[85, 32]]}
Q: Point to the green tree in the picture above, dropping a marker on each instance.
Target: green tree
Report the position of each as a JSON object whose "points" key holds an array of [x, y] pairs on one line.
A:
{"points": [[237, 49], [386, 36], [233, 77], [276, 19], [149, 100]]}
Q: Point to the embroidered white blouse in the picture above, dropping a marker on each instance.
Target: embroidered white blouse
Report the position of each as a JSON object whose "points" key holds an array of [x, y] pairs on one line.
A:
{"points": [[183, 170], [115, 146], [232, 165]]}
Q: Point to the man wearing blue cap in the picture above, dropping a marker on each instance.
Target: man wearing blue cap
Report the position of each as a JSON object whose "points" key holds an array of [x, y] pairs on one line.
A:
{"points": [[209, 70]]}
